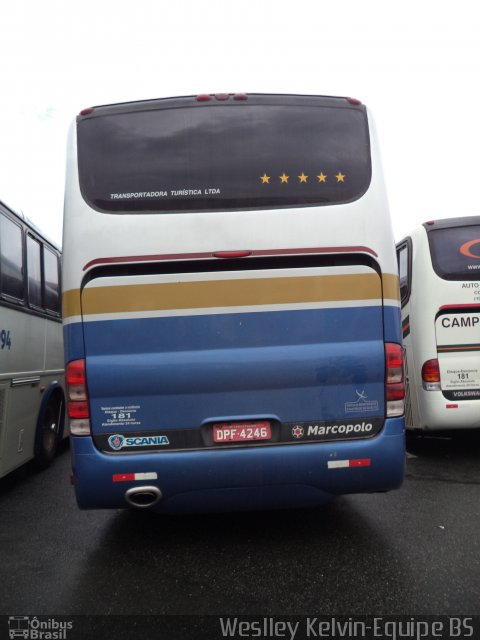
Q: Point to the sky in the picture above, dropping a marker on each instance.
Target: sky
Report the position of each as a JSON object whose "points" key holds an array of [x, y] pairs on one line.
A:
{"points": [[415, 64]]}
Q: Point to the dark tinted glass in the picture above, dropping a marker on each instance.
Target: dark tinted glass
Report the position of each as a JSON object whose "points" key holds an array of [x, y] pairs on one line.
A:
{"points": [[12, 283], [456, 252], [50, 268], [402, 257], [34, 272], [229, 156]]}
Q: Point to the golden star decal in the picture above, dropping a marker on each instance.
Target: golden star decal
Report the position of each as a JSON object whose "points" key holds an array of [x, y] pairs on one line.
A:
{"points": [[340, 177], [322, 177], [303, 177], [284, 178], [265, 179]]}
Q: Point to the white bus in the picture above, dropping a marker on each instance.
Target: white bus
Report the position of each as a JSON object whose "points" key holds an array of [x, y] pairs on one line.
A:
{"points": [[231, 304], [31, 344], [439, 265]]}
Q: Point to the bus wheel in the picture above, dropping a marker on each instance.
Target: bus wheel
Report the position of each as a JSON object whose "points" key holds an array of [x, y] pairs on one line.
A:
{"points": [[48, 436]]}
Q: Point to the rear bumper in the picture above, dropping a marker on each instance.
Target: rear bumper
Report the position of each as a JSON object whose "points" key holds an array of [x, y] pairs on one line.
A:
{"points": [[437, 413], [242, 479]]}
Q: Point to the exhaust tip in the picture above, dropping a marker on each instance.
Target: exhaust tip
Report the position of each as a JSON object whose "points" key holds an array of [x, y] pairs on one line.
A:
{"points": [[143, 497]]}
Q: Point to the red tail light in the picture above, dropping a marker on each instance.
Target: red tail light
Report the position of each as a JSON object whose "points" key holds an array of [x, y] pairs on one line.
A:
{"points": [[78, 408], [395, 391], [431, 375], [76, 374], [395, 386], [431, 371], [394, 362]]}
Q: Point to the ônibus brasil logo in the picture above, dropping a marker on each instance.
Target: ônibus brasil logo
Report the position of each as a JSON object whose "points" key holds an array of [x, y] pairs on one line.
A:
{"points": [[38, 629], [117, 441]]}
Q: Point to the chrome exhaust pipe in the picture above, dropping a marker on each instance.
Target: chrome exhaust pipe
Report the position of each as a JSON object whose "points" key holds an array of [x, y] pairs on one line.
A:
{"points": [[143, 497]]}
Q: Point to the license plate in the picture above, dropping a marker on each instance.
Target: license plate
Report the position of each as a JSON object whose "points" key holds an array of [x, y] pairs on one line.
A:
{"points": [[242, 431]]}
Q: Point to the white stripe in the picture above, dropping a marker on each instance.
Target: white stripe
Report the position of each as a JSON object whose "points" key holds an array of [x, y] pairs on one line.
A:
{"points": [[258, 308], [390, 302], [337, 464], [146, 476]]}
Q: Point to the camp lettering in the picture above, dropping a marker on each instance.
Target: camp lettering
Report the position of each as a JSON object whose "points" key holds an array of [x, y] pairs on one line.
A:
{"points": [[460, 322]]}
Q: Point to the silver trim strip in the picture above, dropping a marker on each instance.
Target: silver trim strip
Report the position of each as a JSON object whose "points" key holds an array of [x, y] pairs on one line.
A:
{"points": [[18, 382]]}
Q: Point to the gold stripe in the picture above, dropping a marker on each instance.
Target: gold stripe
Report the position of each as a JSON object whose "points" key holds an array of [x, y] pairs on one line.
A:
{"points": [[71, 303], [222, 293], [391, 286]]}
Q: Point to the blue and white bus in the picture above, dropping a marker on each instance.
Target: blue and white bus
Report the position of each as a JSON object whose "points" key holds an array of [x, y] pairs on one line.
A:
{"points": [[231, 304]]}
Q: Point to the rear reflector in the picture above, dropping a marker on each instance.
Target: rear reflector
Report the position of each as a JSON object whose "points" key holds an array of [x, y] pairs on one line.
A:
{"points": [[132, 477], [345, 464]]}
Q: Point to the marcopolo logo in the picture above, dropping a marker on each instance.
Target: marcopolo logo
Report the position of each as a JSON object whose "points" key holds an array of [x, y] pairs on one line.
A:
{"points": [[38, 629], [311, 431], [117, 441], [298, 431], [340, 429]]}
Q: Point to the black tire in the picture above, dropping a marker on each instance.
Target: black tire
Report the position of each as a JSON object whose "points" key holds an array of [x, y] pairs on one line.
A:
{"points": [[48, 436]]}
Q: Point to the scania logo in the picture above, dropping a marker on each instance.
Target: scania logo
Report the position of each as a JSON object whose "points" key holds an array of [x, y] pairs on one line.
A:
{"points": [[116, 442]]}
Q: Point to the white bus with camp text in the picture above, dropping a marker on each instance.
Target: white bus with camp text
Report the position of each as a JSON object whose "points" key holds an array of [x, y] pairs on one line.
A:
{"points": [[439, 265]]}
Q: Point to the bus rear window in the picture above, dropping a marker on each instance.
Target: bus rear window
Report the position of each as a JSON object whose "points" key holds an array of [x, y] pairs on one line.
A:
{"points": [[223, 156], [455, 252]]}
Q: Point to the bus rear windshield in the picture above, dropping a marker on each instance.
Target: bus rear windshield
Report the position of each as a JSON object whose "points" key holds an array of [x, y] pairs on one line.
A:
{"points": [[456, 252], [223, 156]]}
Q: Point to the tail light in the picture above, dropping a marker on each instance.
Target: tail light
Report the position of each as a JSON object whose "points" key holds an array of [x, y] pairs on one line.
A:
{"points": [[78, 409], [431, 375], [395, 386]]}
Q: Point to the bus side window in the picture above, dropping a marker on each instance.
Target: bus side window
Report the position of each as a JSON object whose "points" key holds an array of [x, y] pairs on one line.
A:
{"points": [[51, 294], [11, 268], [34, 269], [404, 271]]}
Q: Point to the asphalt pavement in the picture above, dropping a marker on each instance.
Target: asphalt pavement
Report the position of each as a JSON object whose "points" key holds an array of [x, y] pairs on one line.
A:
{"points": [[414, 551]]}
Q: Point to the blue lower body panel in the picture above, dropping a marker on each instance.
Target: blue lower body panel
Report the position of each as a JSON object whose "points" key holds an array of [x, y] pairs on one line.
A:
{"points": [[257, 477]]}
